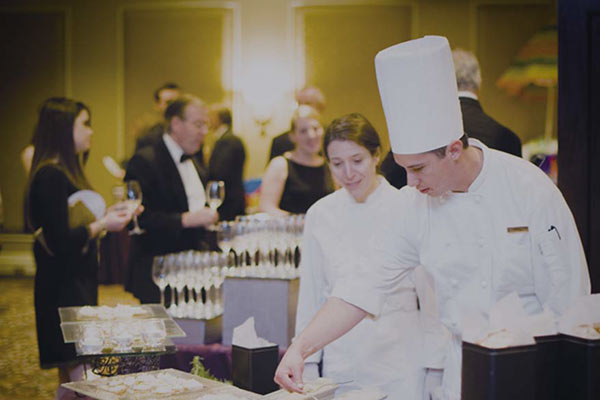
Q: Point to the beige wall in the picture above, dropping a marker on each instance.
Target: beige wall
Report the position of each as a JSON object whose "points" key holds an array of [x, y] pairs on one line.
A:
{"points": [[259, 52]]}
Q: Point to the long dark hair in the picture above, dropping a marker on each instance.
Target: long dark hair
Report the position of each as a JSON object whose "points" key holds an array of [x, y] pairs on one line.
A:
{"points": [[53, 139]]}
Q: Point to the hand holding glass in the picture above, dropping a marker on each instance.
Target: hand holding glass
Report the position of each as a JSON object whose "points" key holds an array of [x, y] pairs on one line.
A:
{"points": [[133, 198], [215, 194]]}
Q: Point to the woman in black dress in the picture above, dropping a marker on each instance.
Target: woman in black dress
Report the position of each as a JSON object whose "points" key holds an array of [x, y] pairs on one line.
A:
{"points": [[67, 218], [296, 180]]}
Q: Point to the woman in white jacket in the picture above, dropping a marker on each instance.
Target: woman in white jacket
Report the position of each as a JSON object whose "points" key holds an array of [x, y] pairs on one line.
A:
{"points": [[386, 352]]}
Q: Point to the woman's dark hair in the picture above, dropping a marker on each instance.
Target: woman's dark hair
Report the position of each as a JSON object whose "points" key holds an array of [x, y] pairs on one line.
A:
{"points": [[53, 138], [354, 127]]}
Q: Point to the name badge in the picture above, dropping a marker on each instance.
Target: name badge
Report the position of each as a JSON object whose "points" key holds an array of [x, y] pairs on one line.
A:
{"points": [[516, 229]]}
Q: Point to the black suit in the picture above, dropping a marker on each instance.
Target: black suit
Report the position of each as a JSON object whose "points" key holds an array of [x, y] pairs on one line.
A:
{"points": [[280, 144], [395, 174], [227, 164], [164, 199], [154, 135], [479, 125]]}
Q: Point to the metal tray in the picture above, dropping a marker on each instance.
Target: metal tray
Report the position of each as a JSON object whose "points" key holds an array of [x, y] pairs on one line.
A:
{"points": [[72, 331], [98, 388], [72, 314]]}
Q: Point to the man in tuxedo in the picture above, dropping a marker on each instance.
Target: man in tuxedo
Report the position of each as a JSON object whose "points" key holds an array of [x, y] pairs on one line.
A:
{"points": [[227, 163], [477, 123], [311, 96], [175, 213]]}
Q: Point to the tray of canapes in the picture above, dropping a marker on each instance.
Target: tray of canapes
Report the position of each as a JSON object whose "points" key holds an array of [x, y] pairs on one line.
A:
{"points": [[158, 385], [118, 330]]}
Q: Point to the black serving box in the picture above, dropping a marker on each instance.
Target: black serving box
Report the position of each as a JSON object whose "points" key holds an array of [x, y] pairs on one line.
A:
{"points": [[254, 369], [498, 374], [547, 365], [579, 365]]}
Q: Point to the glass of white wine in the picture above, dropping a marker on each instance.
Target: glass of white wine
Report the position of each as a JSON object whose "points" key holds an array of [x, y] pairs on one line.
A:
{"points": [[215, 194], [133, 198]]}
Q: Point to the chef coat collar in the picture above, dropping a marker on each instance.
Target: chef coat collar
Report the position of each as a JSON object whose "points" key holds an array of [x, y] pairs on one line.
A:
{"points": [[371, 197], [476, 185]]}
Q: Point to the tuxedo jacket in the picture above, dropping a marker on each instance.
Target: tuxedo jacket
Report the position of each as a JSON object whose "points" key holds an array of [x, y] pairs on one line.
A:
{"points": [[280, 144], [227, 164], [479, 125], [164, 200]]}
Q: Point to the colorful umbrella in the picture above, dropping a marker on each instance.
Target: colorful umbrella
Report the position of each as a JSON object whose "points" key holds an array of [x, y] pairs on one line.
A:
{"points": [[533, 74]]}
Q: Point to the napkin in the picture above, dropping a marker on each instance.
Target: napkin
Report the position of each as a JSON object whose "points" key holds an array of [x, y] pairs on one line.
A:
{"points": [[92, 201], [582, 317], [508, 325], [245, 336]]}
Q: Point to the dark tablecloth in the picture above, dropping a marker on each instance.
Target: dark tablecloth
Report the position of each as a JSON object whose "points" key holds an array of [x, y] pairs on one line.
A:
{"points": [[215, 357]]}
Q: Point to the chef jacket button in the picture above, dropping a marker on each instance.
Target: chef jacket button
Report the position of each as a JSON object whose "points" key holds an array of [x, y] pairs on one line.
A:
{"points": [[477, 199], [454, 282], [484, 284], [481, 242]]}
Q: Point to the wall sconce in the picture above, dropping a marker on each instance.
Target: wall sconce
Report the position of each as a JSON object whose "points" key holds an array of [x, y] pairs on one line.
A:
{"points": [[262, 122], [263, 87]]}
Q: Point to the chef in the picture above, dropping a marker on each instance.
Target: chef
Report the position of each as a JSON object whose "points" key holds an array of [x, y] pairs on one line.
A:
{"points": [[483, 223]]}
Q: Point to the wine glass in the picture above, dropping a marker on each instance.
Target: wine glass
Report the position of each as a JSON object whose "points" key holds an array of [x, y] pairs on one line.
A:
{"points": [[215, 194], [133, 197], [225, 234], [159, 275]]}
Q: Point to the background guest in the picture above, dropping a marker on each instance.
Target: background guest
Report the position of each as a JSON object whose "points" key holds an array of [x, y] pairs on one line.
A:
{"points": [[67, 218], [477, 124], [227, 163], [149, 130], [310, 96], [173, 194], [294, 181]]}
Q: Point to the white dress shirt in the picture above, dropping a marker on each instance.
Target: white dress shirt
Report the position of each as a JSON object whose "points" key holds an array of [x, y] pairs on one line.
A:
{"points": [[194, 189]]}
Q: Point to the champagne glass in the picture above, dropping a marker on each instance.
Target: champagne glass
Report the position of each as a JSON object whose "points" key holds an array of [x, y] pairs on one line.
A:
{"points": [[133, 197], [215, 194], [159, 275], [225, 234]]}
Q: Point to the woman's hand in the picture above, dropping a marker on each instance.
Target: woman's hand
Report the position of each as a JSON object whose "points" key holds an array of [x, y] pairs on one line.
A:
{"points": [[289, 371], [115, 221]]}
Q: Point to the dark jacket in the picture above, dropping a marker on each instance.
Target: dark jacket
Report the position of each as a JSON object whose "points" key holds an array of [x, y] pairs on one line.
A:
{"points": [[164, 200], [227, 164], [479, 125], [280, 144]]}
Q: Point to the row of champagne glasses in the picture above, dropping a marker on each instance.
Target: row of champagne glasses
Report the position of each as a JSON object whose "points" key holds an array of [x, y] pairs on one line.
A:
{"points": [[195, 280], [265, 246]]}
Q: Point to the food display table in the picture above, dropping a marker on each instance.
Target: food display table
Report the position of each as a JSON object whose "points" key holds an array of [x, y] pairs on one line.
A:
{"points": [[156, 385]]}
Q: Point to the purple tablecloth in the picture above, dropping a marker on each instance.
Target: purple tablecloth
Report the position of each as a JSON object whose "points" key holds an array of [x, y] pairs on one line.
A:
{"points": [[215, 357]]}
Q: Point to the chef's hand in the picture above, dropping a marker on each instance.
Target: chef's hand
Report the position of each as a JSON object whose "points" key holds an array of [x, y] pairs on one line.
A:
{"points": [[289, 371]]}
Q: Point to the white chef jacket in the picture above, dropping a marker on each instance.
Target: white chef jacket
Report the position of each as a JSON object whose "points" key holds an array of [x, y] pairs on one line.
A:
{"points": [[511, 231], [384, 352]]}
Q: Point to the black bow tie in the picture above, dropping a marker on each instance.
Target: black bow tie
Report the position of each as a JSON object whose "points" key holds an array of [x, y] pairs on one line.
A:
{"points": [[185, 157]]}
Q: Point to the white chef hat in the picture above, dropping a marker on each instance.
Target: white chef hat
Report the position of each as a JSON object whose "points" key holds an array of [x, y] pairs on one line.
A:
{"points": [[418, 92]]}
